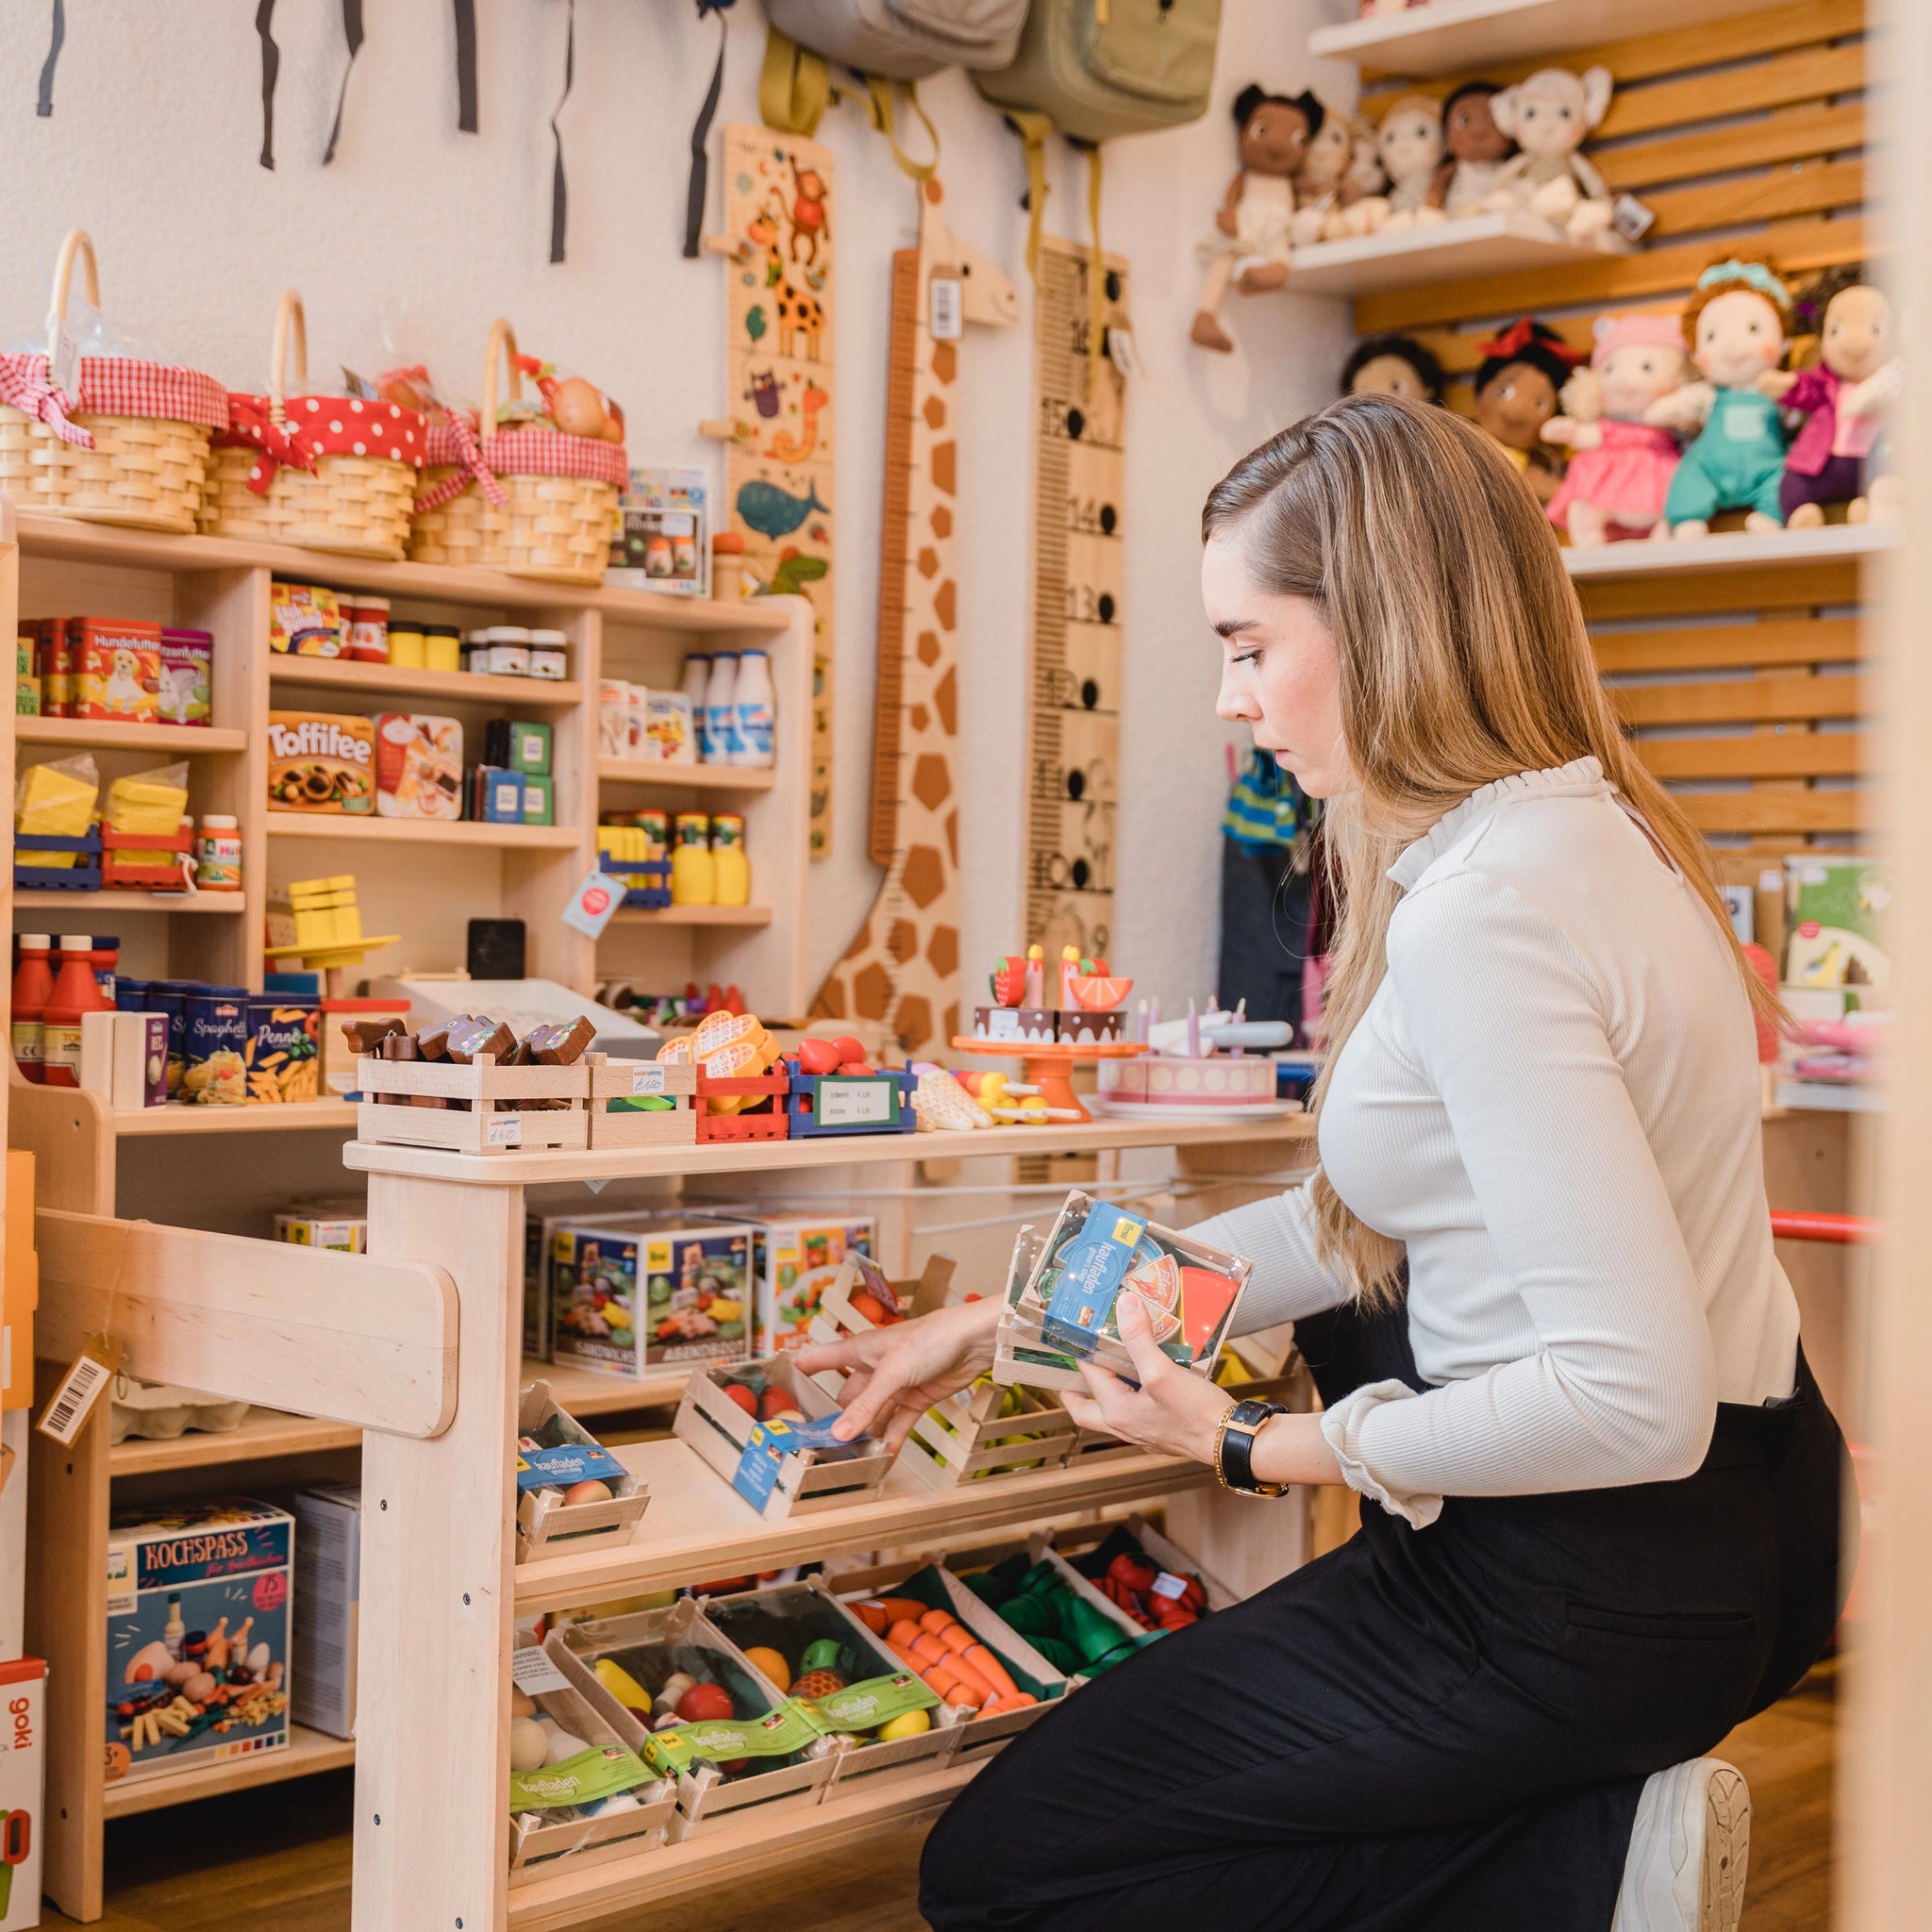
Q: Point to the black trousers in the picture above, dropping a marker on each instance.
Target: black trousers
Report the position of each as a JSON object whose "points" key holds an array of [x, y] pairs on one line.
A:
{"points": [[1443, 1730]]}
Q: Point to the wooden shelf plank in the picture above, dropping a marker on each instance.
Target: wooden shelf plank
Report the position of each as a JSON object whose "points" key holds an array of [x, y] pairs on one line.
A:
{"points": [[394, 680], [698, 1527], [686, 777], [108, 736], [306, 1753], [264, 1432], [697, 915], [329, 824], [1442, 251], [1731, 550], [584, 1392], [337, 1116], [1454, 36], [135, 902], [510, 1168]]}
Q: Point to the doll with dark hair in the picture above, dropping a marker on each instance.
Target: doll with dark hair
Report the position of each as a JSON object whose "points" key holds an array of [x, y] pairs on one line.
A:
{"points": [[1253, 225], [1393, 365], [1516, 383], [1477, 150]]}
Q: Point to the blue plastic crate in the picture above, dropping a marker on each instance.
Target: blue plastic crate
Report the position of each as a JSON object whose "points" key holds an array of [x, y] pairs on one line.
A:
{"points": [[808, 1095], [82, 876], [641, 898]]}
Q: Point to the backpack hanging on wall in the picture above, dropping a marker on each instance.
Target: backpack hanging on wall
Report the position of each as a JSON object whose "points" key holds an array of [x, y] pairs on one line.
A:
{"points": [[903, 39]]}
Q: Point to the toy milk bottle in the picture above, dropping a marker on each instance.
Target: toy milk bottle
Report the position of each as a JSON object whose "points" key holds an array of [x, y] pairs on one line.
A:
{"points": [[174, 1632], [693, 874], [33, 982], [696, 684], [752, 707], [729, 862], [720, 711]]}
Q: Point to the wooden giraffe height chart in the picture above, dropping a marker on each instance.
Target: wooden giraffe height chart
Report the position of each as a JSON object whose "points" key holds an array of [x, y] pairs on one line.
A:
{"points": [[778, 222], [904, 967], [1074, 686]]}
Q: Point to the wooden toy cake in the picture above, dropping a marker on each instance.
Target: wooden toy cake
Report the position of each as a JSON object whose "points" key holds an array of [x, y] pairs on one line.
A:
{"points": [[1088, 1003], [1199, 1062]]}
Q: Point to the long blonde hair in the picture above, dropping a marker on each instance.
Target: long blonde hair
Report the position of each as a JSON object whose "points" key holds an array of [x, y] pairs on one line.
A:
{"points": [[1463, 659]]}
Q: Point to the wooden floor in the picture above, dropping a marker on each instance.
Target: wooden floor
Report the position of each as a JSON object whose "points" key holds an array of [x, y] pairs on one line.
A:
{"points": [[280, 1856]]}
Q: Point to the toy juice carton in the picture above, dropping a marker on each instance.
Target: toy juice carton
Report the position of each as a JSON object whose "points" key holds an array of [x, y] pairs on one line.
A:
{"points": [[651, 1295], [197, 1634], [117, 669], [328, 1597], [1835, 907], [793, 1261], [23, 1778]]}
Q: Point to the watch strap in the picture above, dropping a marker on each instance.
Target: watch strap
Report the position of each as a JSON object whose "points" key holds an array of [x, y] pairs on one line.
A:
{"points": [[1234, 1449]]}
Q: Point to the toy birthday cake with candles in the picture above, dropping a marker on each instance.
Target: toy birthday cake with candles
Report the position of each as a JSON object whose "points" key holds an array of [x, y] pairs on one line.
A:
{"points": [[1084, 1005], [1215, 1062]]}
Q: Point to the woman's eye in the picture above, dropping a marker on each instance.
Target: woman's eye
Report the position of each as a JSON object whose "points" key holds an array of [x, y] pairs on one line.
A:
{"points": [[1246, 657]]}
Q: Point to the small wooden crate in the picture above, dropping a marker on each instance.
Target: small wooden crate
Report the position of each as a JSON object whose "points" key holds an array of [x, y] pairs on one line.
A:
{"points": [[482, 1124], [720, 1432], [615, 1081], [836, 1318], [773, 1125], [542, 1521], [965, 1438]]}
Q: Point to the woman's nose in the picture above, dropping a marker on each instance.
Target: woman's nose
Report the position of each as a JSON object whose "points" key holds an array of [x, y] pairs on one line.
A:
{"points": [[1235, 703]]}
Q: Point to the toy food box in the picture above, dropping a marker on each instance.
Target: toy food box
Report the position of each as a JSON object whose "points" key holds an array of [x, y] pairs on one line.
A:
{"points": [[792, 1263], [116, 669], [419, 766], [197, 1634], [321, 761], [328, 1606], [187, 673], [23, 1776], [1836, 910], [625, 1301]]}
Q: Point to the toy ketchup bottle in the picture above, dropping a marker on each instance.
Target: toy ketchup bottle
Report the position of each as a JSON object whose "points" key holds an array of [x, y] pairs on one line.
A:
{"points": [[693, 870], [76, 992], [33, 982], [731, 867]]}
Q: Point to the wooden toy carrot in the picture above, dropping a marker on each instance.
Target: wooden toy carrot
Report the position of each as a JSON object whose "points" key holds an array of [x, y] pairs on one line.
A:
{"points": [[935, 1657]]}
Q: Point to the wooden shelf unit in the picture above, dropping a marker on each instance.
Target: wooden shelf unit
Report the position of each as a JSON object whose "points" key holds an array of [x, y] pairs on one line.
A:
{"points": [[1442, 251], [679, 777], [99, 733], [306, 1753], [697, 915], [381, 682], [195, 904], [379, 831], [312, 1116]]}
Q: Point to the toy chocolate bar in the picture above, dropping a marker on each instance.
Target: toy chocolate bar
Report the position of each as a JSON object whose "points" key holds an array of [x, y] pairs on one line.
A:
{"points": [[470, 1039], [563, 1044]]}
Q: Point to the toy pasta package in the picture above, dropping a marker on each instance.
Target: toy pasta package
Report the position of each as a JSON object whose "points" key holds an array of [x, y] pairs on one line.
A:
{"points": [[1063, 1295], [419, 766], [321, 761]]}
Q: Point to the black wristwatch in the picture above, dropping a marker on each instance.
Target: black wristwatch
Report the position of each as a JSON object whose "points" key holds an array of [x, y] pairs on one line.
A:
{"points": [[1234, 1448]]}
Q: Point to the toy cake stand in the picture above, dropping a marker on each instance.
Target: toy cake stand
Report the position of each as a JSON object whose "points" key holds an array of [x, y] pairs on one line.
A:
{"points": [[1048, 1062]]}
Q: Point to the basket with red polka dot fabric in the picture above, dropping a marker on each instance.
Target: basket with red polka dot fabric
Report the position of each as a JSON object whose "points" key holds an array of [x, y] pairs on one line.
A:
{"points": [[329, 473]]}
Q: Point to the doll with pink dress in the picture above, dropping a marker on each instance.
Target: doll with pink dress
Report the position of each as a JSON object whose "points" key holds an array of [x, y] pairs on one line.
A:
{"points": [[1620, 466]]}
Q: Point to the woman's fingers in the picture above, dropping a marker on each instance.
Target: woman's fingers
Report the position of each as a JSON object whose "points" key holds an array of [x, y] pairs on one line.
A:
{"points": [[849, 1352], [881, 1389], [1083, 1409], [1137, 1332]]}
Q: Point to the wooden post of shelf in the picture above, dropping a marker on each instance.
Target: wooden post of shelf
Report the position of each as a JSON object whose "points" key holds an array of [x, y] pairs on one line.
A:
{"points": [[432, 1723]]}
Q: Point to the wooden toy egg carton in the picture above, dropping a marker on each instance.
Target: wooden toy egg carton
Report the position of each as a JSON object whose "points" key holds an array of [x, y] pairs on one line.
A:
{"points": [[613, 1082], [480, 1119], [720, 1432], [543, 1518], [965, 1438]]}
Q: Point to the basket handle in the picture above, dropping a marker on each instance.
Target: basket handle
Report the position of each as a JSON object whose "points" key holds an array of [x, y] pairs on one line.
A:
{"points": [[500, 357], [77, 243], [289, 321]]}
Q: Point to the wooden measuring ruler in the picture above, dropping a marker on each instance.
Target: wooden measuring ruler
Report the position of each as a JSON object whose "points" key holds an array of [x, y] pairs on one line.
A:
{"points": [[1074, 683]]}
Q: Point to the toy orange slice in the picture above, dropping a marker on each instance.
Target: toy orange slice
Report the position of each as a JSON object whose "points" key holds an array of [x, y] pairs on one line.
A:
{"points": [[1097, 995], [1158, 1280]]}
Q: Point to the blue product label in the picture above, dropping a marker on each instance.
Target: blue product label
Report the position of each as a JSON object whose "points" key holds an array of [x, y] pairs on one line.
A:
{"points": [[1092, 1266], [754, 725], [720, 730], [570, 1462], [771, 1442]]}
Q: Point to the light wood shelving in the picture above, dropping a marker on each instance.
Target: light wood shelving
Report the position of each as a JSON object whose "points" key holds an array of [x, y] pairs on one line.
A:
{"points": [[697, 915], [312, 1116], [379, 831], [1731, 550], [192, 902], [306, 1753], [685, 777], [384, 681], [1445, 251], [101, 735]]}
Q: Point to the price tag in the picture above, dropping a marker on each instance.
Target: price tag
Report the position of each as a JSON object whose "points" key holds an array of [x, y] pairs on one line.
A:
{"points": [[593, 905], [945, 308], [82, 1385], [505, 1130], [647, 1080], [855, 1103], [1168, 1584], [1630, 218], [532, 1673], [63, 360]]}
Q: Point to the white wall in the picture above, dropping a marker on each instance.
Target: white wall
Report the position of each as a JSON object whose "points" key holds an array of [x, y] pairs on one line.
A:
{"points": [[152, 148]]}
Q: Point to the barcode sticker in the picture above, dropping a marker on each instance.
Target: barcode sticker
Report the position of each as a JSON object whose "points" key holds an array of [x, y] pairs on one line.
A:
{"points": [[1168, 1584], [79, 1390], [946, 311]]}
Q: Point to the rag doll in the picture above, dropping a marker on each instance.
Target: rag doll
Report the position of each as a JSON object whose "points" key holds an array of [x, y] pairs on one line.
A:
{"points": [[1841, 397], [1621, 466], [1472, 171], [1318, 183], [1394, 366], [1409, 143], [1516, 386], [1548, 116], [1362, 204], [1253, 225], [1736, 322]]}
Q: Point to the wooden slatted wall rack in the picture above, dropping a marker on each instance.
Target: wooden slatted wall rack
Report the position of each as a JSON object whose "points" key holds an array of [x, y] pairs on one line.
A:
{"points": [[1741, 688]]}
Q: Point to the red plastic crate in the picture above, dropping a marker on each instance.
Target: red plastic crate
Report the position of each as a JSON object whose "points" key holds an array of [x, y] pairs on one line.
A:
{"points": [[773, 1124]]}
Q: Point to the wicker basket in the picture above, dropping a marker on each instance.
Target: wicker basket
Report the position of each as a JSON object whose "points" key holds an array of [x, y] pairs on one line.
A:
{"points": [[356, 498], [558, 508], [144, 469]]}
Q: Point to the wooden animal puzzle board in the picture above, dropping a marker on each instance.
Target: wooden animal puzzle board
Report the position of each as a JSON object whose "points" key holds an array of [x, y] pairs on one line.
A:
{"points": [[779, 213], [1078, 531]]}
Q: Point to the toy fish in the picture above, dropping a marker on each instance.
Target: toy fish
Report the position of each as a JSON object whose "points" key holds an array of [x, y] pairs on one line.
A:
{"points": [[773, 512]]}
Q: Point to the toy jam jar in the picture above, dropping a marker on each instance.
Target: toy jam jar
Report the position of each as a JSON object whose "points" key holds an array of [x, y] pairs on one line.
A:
{"points": [[218, 853], [729, 864], [694, 872]]}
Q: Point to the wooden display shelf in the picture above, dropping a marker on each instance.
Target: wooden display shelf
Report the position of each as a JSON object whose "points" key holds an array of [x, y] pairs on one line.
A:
{"points": [[362, 680], [697, 1527], [686, 777], [697, 915], [306, 1753], [134, 902], [1448, 251], [584, 1392], [319, 1116], [106, 735], [767, 1840], [328, 824], [264, 1433], [1455, 36], [1728, 550]]}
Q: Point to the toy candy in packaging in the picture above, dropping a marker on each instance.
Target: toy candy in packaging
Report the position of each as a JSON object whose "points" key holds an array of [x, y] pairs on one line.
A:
{"points": [[627, 1300], [187, 663], [321, 761], [305, 621], [197, 1634], [419, 766]]}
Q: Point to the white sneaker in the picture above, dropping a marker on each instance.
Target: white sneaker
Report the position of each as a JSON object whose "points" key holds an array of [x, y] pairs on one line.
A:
{"points": [[1690, 1848]]}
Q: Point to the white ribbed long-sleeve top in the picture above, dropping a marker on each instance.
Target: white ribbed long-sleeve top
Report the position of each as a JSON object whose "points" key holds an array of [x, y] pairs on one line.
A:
{"points": [[1553, 1099]]}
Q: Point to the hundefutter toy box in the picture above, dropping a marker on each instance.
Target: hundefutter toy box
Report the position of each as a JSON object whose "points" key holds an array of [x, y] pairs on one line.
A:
{"points": [[625, 1301], [197, 1634]]}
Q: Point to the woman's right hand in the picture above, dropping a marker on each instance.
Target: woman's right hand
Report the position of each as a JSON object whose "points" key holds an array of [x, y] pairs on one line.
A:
{"points": [[893, 1375]]}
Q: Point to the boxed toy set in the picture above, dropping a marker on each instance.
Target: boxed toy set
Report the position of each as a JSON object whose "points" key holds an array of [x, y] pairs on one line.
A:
{"points": [[329, 1601], [795, 1260], [651, 1295], [22, 1780]]}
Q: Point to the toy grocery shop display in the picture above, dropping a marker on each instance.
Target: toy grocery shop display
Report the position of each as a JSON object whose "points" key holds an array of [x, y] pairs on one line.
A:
{"points": [[1737, 322], [1393, 365], [197, 1634], [1842, 398], [795, 1261], [1549, 116], [1478, 151], [1620, 463], [1063, 1292], [1155, 1595], [1516, 388], [1254, 222], [626, 1300], [1075, 1628], [1084, 1004]]}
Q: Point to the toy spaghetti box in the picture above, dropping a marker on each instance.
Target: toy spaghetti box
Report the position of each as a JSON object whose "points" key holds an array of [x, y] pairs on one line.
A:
{"points": [[627, 1300], [793, 1261], [197, 1634], [23, 1776]]}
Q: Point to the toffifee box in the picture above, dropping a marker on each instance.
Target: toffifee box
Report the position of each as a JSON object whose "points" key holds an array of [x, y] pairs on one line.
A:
{"points": [[793, 1260], [197, 1634], [626, 1300]]}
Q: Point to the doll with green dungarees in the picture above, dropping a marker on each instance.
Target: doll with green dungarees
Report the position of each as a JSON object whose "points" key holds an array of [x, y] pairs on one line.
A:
{"points": [[1737, 325]]}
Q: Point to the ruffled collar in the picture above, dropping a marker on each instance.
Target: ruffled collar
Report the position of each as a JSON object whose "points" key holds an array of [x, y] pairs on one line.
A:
{"points": [[1579, 778]]}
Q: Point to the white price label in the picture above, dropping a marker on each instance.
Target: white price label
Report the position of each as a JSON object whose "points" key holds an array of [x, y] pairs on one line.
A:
{"points": [[1168, 1584], [855, 1103], [1630, 218], [945, 308], [595, 903], [505, 1130], [533, 1673], [647, 1080]]}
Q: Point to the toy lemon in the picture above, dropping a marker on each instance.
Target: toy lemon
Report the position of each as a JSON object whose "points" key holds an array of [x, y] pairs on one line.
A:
{"points": [[907, 1725]]}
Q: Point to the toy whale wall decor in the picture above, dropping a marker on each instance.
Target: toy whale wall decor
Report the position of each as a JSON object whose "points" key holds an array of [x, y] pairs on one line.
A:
{"points": [[773, 512]]}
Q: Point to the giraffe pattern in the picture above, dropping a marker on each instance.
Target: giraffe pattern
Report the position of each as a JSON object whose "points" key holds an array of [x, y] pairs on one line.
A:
{"points": [[902, 969]]}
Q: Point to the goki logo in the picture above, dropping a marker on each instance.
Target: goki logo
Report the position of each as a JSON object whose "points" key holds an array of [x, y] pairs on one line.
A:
{"points": [[16, 1836]]}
